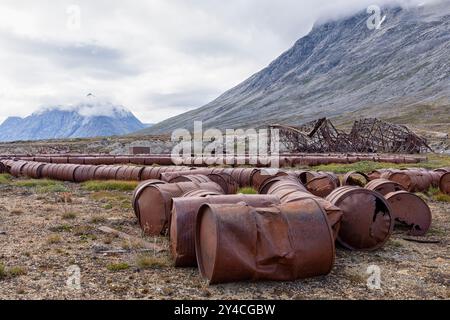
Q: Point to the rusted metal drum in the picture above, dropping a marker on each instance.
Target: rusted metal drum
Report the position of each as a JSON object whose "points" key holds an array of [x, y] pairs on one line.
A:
{"points": [[168, 176], [259, 176], [137, 193], [129, 173], [380, 173], [65, 172], [121, 159], [75, 160], [154, 202], [225, 181], [436, 177], [137, 160], [183, 218], [16, 168], [43, 159], [384, 186], [241, 175], [412, 181], [367, 222], [2, 167], [58, 160], [410, 211], [281, 243], [444, 183], [355, 178], [151, 173], [265, 187], [33, 170], [291, 190], [197, 178], [85, 173], [106, 172], [323, 184]]}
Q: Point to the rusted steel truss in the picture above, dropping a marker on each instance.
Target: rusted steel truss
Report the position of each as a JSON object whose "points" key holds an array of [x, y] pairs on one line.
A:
{"points": [[367, 135]]}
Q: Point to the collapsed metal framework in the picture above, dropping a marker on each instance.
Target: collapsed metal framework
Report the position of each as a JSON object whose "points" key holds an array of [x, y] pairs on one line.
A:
{"points": [[367, 135]]}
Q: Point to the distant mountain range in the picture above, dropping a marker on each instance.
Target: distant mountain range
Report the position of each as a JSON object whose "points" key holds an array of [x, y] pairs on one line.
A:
{"points": [[90, 118], [342, 69]]}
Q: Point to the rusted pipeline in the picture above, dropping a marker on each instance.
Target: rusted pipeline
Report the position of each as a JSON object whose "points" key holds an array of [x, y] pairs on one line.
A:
{"points": [[184, 214], [410, 211], [384, 186], [367, 222], [282, 243], [153, 203]]}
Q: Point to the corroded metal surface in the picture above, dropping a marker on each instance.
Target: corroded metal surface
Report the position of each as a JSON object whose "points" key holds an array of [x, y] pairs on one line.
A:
{"points": [[153, 203], [286, 242], [384, 186], [410, 211], [367, 222], [184, 215]]}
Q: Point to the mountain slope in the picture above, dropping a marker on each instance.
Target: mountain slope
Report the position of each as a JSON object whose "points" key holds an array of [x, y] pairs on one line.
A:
{"points": [[339, 68], [87, 119]]}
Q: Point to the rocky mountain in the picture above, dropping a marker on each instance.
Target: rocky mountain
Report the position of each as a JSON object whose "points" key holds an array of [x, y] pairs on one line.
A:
{"points": [[342, 69], [90, 118]]}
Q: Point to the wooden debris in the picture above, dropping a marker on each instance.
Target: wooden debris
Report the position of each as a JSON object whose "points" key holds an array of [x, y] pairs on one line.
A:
{"points": [[422, 240]]}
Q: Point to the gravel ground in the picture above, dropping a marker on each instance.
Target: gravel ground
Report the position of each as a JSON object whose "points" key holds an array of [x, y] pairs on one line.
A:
{"points": [[43, 234]]}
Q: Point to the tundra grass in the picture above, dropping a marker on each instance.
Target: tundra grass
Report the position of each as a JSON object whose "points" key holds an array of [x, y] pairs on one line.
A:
{"points": [[110, 185]]}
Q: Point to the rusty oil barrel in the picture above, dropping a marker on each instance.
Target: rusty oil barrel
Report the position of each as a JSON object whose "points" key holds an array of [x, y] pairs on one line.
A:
{"points": [[291, 190], [355, 178], [444, 183], [153, 203], [412, 180], [137, 193], [225, 181], [33, 170], [367, 222], [410, 211], [85, 173], [129, 173], [259, 176], [241, 175], [16, 168], [183, 219], [238, 242], [197, 178], [265, 187], [323, 184], [384, 186]]}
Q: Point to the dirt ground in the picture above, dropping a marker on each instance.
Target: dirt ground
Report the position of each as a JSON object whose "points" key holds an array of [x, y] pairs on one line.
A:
{"points": [[43, 234]]}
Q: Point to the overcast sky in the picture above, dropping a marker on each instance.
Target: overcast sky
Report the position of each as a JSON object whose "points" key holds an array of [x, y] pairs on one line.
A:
{"points": [[156, 57]]}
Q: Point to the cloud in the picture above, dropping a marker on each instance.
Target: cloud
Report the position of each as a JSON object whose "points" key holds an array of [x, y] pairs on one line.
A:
{"points": [[158, 58]]}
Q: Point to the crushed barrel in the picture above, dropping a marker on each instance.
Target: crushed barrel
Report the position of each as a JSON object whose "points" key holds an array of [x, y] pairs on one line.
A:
{"points": [[283, 243]]}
